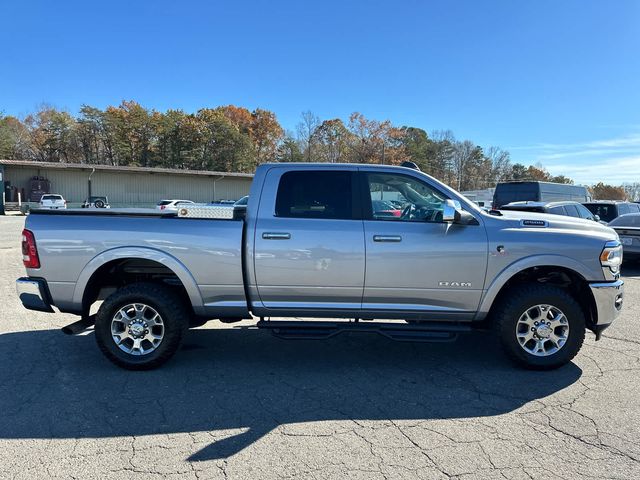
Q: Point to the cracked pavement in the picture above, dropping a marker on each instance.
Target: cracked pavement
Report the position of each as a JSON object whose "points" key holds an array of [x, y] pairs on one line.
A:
{"points": [[238, 403]]}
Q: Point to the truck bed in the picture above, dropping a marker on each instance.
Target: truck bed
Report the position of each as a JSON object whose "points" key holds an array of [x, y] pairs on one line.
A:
{"points": [[73, 244]]}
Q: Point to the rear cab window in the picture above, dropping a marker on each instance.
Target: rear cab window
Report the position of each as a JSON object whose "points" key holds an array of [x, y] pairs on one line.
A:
{"points": [[318, 194]]}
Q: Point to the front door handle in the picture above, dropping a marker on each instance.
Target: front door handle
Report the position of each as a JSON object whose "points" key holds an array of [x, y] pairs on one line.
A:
{"points": [[387, 238], [276, 236]]}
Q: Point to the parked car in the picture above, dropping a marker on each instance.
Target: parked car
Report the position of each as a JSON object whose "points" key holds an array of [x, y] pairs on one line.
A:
{"points": [[508, 192], [96, 202], [310, 245], [382, 208], [242, 202], [172, 205], [569, 209], [608, 210], [628, 229], [52, 202]]}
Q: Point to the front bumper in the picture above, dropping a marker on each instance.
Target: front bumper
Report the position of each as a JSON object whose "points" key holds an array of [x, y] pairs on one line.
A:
{"points": [[34, 294], [609, 298]]}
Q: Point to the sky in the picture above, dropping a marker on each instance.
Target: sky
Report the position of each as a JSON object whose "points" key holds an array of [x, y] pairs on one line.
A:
{"points": [[554, 82]]}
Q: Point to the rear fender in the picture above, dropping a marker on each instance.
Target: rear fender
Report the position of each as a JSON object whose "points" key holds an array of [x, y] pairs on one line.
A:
{"points": [[145, 253]]}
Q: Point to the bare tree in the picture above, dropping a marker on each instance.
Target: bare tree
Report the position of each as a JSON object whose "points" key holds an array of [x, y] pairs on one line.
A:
{"points": [[500, 164], [632, 190], [307, 131]]}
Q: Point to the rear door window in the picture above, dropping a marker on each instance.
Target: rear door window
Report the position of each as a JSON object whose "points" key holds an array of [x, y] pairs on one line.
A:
{"points": [[316, 194], [557, 210], [572, 211], [584, 212]]}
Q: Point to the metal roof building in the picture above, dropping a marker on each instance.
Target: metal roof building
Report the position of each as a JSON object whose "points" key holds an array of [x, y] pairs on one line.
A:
{"points": [[125, 186]]}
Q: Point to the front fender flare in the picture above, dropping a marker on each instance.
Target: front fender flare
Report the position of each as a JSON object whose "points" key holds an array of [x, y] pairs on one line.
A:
{"points": [[523, 264], [145, 253]]}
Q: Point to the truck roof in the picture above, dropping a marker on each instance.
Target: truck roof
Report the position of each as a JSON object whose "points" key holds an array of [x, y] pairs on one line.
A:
{"points": [[322, 165]]}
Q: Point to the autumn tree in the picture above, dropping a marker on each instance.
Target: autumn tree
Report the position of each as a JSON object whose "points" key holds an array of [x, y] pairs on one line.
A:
{"points": [[369, 138], [602, 191], [265, 133], [52, 135], [224, 148], [14, 139], [238, 116], [233, 138], [333, 141]]}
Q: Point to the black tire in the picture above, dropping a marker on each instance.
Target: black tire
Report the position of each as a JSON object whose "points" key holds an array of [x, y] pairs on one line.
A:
{"points": [[521, 298], [99, 204], [175, 318]]}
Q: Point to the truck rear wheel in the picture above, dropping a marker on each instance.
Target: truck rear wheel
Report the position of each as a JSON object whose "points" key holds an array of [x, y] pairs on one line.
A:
{"points": [[141, 326], [540, 326]]}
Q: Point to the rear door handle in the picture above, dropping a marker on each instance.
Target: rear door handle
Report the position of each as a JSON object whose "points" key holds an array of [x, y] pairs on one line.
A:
{"points": [[276, 236], [387, 238]]}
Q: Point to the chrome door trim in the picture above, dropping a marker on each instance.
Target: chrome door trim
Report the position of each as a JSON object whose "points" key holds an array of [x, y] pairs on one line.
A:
{"points": [[276, 236], [387, 238]]}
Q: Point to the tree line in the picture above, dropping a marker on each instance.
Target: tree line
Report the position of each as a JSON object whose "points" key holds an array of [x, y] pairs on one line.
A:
{"points": [[236, 139]]}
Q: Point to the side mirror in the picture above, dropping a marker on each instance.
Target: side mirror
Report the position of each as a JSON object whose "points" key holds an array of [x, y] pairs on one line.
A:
{"points": [[450, 211], [596, 218]]}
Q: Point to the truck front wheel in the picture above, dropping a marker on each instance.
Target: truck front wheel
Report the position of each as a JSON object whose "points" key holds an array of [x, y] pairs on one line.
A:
{"points": [[141, 326], [540, 326]]}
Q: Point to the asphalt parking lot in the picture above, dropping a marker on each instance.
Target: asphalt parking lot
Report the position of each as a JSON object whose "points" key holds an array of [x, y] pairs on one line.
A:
{"points": [[239, 404]]}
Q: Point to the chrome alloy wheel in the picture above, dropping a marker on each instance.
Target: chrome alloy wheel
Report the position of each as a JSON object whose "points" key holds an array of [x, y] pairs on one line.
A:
{"points": [[542, 330], [137, 329]]}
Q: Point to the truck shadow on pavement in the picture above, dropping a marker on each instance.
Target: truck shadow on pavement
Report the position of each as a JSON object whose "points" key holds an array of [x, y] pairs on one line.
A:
{"points": [[54, 386]]}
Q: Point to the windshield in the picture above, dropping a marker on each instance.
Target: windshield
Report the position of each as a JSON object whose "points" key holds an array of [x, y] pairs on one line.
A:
{"points": [[606, 211], [629, 220]]}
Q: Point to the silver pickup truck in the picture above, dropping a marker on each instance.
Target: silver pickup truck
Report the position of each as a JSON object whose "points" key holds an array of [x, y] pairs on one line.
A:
{"points": [[366, 247]]}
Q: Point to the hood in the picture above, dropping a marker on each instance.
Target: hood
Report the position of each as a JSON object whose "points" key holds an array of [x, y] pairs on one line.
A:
{"points": [[556, 222]]}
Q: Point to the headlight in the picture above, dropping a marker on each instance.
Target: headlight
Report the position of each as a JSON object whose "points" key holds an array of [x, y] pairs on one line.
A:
{"points": [[611, 255]]}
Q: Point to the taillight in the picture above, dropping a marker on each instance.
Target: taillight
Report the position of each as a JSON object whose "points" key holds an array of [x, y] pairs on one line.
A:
{"points": [[29, 251], [162, 207]]}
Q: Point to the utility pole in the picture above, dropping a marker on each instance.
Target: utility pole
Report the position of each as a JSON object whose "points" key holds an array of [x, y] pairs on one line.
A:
{"points": [[89, 183]]}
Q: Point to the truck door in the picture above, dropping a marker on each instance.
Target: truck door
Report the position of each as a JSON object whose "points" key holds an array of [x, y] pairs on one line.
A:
{"points": [[418, 266], [309, 241]]}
